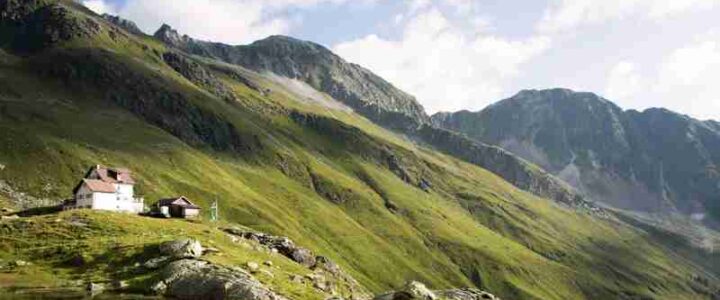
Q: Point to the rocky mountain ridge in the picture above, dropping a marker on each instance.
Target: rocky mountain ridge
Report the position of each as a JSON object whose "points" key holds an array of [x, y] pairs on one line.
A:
{"points": [[654, 161], [374, 98], [356, 86]]}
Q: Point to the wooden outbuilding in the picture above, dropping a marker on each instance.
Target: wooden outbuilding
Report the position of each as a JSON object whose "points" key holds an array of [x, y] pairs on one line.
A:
{"points": [[177, 207]]}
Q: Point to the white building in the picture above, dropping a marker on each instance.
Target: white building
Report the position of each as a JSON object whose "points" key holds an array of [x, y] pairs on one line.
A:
{"points": [[106, 189]]}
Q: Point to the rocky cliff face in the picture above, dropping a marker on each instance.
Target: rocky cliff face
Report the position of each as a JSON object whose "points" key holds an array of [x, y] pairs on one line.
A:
{"points": [[357, 87], [655, 160], [128, 25], [32, 25]]}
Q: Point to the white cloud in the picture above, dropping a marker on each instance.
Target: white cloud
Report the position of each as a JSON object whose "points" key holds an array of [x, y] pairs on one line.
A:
{"points": [[569, 14], [446, 66], [624, 84], [228, 21], [685, 81], [99, 6]]}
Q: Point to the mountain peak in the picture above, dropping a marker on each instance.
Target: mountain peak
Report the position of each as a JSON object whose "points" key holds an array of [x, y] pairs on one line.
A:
{"points": [[170, 36], [319, 67], [556, 92], [128, 25]]}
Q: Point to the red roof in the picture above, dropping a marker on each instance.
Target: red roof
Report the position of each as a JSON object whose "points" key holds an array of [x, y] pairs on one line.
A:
{"points": [[99, 186], [112, 175]]}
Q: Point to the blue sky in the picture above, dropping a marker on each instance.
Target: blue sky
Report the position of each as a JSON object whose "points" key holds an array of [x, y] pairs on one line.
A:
{"points": [[466, 54]]}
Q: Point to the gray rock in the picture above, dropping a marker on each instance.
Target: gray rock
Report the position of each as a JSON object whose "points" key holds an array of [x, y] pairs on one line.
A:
{"points": [[159, 288], [128, 25], [296, 278], [351, 84], [303, 256], [411, 290], [466, 294], [194, 279], [186, 248], [253, 267], [156, 263], [325, 264], [281, 244], [95, 287]]}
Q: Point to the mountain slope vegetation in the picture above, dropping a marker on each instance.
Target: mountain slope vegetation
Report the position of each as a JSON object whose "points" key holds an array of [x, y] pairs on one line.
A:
{"points": [[284, 158], [374, 98]]}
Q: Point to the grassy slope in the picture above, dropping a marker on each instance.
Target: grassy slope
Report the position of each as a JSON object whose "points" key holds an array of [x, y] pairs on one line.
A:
{"points": [[109, 244], [472, 228]]}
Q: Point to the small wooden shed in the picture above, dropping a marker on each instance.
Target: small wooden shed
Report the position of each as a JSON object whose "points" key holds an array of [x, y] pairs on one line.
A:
{"points": [[177, 207]]}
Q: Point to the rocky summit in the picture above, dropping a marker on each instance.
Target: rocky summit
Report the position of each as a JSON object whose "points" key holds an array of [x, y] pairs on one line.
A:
{"points": [[151, 166], [653, 161]]}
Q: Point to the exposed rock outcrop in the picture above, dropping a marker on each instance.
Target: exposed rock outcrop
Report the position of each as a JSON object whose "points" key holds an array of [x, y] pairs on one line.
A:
{"points": [[128, 25], [198, 75], [186, 248], [417, 291], [282, 245], [195, 279], [411, 291], [147, 97], [34, 25], [326, 275], [183, 275], [466, 294], [354, 85]]}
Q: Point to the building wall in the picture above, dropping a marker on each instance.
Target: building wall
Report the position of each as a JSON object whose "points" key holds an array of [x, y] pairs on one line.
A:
{"points": [[126, 192], [84, 197], [105, 201], [108, 201], [191, 212]]}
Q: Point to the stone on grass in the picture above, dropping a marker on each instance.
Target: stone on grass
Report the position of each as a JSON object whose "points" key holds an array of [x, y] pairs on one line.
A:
{"points": [[195, 279], [252, 266], [185, 248]]}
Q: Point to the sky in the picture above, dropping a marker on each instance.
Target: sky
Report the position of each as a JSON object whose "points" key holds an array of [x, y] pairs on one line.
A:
{"points": [[466, 54]]}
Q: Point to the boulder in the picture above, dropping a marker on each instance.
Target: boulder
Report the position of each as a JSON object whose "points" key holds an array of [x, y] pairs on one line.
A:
{"points": [[253, 267], [280, 244], [411, 291], [195, 279], [466, 294], [186, 248], [325, 264], [303, 256]]}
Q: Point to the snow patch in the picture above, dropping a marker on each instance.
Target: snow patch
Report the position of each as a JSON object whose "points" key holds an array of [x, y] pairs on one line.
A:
{"points": [[306, 93]]}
